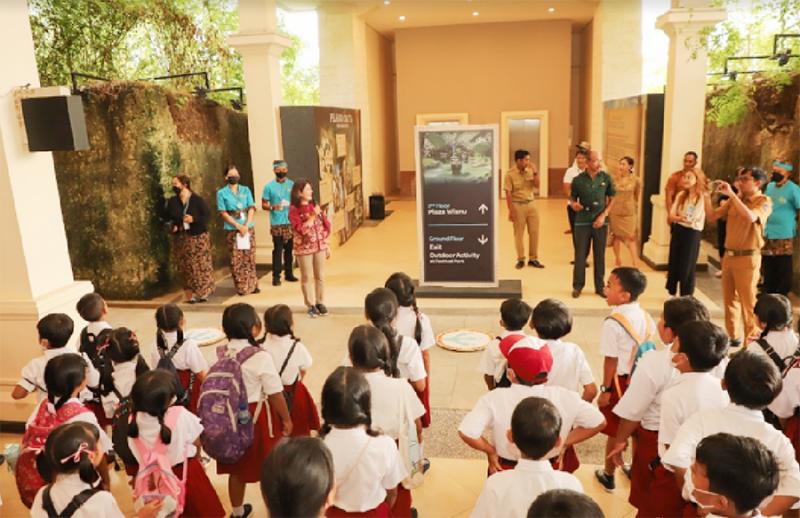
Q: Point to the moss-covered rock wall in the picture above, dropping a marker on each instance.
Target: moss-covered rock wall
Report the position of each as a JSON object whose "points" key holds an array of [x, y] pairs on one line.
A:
{"points": [[113, 195], [771, 128]]}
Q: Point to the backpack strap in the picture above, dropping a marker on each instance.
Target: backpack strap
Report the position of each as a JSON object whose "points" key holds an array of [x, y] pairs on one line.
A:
{"points": [[626, 325], [246, 353], [70, 410], [74, 504], [172, 351], [772, 353], [288, 356]]}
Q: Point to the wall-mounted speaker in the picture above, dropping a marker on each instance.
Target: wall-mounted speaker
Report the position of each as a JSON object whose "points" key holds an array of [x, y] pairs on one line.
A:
{"points": [[55, 123]]}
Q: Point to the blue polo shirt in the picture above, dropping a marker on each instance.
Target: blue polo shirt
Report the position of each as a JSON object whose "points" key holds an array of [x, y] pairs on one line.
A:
{"points": [[782, 222], [227, 200], [275, 192]]}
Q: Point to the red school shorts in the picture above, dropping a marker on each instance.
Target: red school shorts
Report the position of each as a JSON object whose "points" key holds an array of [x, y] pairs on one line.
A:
{"points": [[612, 420]]}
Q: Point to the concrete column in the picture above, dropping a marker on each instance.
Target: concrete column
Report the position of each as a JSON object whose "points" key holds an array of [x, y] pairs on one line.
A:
{"points": [[35, 268], [684, 106], [260, 45]]}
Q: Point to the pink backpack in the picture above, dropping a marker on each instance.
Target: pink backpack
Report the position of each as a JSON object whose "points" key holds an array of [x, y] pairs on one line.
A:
{"points": [[155, 479], [26, 475]]}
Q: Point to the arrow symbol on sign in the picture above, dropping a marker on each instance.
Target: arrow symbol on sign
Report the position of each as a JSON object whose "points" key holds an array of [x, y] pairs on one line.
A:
{"points": [[483, 208], [483, 239]]}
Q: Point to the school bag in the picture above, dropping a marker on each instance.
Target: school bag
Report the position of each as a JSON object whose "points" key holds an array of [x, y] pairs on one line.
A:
{"points": [[643, 345], [73, 505], [94, 346], [505, 346], [783, 364], [155, 479], [222, 396], [288, 395], [120, 423], [27, 477], [165, 363]]}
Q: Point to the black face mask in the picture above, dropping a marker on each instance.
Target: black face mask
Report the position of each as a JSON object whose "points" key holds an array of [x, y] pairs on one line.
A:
{"points": [[233, 180], [280, 175], [176, 190], [776, 177]]}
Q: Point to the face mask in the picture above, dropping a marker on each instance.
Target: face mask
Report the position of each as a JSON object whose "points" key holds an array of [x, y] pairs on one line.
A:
{"points": [[696, 492], [233, 180], [776, 177], [176, 190], [280, 175]]}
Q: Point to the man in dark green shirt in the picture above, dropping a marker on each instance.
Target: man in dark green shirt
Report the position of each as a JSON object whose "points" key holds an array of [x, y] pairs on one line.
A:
{"points": [[591, 196]]}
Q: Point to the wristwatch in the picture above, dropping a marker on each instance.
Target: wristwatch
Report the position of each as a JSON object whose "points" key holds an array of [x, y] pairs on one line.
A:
{"points": [[604, 389]]}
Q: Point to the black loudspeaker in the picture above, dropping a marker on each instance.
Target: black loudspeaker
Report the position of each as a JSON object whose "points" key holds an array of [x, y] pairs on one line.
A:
{"points": [[55, 123], [377, 206]]}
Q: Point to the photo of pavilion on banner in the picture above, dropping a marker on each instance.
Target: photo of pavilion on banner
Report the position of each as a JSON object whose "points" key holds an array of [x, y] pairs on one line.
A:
{"points": [[457, 195]]}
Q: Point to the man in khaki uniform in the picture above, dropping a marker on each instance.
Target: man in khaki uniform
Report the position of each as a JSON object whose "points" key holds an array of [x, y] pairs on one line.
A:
{"points": [[747, 214], [519, 183]]}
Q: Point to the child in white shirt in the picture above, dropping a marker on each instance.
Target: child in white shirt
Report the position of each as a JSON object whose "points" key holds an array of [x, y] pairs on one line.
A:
{"points": [[514, 315]]}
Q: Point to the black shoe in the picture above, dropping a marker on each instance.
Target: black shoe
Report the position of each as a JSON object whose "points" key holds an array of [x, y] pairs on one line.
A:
{"points": [[627, 470], [601, 293], [257, 290], [535, 263], [520, 265], [321, 309], [248, 510], [606, 480], [290, 278], [735, 342], [426, 465], [414, 512], [576, 294], [276, 282]]}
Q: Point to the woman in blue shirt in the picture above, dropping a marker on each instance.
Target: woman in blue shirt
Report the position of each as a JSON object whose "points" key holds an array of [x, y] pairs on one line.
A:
{"points": [[780, 230], [236, 206]]}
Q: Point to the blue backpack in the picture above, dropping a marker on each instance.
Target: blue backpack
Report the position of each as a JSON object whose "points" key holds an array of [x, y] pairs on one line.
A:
{"points": [[643, 345]]}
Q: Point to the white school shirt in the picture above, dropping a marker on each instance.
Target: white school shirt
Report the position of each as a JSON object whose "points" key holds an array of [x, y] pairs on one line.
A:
{"points": [[392, 400], [789, 399], [278, 347], [406, 323], [86, 417], [124, 376], [493, 363], [509, 494], [570, 174], [259, 373], [32, 376], [65, 488], [365, 467], [187, 357], [615, 342], [736, 420], [691, 392], [409, 360], [493, 410], [187, 430], [570, 368], [785, 343]]}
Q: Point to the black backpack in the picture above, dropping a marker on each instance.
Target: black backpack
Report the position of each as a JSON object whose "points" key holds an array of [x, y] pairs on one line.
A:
{"points": [[74, 504], [121, 420], [94, 347], [288, 395], [165, 363], [783, 365]]}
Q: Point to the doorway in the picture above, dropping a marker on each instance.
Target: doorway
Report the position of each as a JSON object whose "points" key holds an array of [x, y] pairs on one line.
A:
{"points": [[525, 130]]}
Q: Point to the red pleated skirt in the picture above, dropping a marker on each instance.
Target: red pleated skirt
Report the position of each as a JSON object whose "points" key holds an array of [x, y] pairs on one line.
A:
{"points": [[569, 463], [99, 413], [792, 431], [425, 398], [664, 496], [645, 450], [184, 375], [612, 420], [248, 469], [305, 416], [402, 506], [202, 500], [382, 511]]}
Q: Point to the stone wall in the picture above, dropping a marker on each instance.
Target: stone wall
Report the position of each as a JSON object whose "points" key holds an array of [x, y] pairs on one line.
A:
{"points": [[112, 196]]}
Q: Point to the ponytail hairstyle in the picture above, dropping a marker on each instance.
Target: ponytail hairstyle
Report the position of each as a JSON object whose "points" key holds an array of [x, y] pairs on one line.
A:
{"points": [[278, 321], [369, 349], [380, 307], [403, 288], [238, 321], [62, 375], [346, 401], [168, 319], [774, 311], [153, 393], [69, 448]]}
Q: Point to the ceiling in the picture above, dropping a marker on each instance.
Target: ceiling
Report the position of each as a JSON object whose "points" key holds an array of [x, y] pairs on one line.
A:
{"points": [[428, 13]]}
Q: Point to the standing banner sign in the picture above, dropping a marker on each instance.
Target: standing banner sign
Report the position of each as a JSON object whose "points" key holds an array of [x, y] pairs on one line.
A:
{"points": [[457, 204]]}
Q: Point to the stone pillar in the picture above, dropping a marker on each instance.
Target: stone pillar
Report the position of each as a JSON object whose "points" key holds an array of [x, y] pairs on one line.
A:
{"points": [[260, 45], [684, 106], [35, 268]]}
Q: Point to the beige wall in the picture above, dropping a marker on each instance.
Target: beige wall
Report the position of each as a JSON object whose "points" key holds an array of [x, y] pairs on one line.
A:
{"points": [[381, 112], [587, 38], [483, 70]]}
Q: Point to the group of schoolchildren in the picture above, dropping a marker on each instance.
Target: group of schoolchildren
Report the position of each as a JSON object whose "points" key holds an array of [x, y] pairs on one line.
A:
{"points": [[730, 420]]}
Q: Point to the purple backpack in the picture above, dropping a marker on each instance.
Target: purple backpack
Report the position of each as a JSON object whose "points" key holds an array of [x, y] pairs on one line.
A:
{"points": [[222, 394]]}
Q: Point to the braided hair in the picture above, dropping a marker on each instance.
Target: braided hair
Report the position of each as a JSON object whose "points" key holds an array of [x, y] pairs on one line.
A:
{"points": [[238, 321], [70, 448], [346, 401], [403, 288], [774, 311], [369, 349], [168, 320], [153, 393], [62, 375], [380, 306], [278, 321]]}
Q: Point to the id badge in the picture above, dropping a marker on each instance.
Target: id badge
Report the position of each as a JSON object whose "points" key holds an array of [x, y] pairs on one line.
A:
{"points": [[185, 226]]}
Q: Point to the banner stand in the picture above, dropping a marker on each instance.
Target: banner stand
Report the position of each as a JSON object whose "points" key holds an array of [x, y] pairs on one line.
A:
{"points": [[506, 289]]}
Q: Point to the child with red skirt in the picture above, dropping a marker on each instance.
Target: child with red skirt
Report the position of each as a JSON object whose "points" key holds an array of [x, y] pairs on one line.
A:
{"points": [[367, 465], [293, 361], [152, 395], [270, 417], [185, 353]]}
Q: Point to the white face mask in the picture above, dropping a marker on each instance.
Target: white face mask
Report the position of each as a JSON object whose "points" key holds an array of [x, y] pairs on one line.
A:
{"points": [[706, 495]]}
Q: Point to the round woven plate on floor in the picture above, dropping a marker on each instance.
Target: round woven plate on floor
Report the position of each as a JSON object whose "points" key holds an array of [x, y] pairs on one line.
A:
{"points": [[206, 336], [463, 340]]}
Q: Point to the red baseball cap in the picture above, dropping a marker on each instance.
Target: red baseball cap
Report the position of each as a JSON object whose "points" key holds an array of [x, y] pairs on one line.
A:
{"points": [[529, 363]]}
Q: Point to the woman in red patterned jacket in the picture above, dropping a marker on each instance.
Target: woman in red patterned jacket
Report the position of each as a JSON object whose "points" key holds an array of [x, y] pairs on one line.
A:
{"points": [[310, 229]]}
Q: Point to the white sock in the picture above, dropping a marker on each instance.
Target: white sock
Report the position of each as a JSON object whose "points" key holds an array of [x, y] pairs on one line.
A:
{"points": [[238, 510]]}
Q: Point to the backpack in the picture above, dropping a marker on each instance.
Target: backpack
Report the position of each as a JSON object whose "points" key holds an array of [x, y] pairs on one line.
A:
{"points": [[94, 347], [120, 423], [783, 364], [288, 395], [27, 477], [643, 345], [222, 394], [505, 346], [155, 479], [165, 363], [73, 505]]}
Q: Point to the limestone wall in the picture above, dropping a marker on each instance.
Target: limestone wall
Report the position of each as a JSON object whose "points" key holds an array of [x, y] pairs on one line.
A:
{"points": [[112, 195]]}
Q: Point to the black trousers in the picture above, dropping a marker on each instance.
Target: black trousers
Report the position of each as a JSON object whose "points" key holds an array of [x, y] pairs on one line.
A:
{"points": [[684, 247], [281, 257], [777, 274], [585, 236], [571, 216]]}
